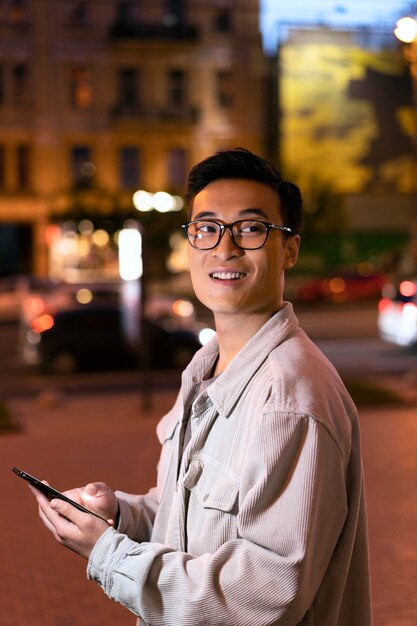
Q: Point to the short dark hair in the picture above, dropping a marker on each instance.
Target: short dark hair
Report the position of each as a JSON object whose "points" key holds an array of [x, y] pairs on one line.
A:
{"points": [[243, 164]]}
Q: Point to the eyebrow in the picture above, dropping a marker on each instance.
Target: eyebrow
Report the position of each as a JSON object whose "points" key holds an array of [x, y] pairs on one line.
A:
{"points": [[242, 213]]}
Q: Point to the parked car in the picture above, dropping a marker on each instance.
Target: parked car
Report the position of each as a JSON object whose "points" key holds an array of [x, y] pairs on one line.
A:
{"points": [[94, 338], [59, 296], [13, 292], [397, 313], [341, 287]]}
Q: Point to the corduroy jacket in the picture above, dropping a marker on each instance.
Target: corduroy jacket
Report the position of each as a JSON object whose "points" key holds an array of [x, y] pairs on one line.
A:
{"points": [[260, 520]]}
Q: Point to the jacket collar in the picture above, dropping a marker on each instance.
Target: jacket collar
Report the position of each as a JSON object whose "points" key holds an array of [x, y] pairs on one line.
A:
{"points": [[226, 390]]}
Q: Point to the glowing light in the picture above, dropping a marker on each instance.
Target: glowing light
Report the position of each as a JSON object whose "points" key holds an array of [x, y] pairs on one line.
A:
{"points": [[142, 200], [163, 202], [407, 288], [178, 203], [88, 169], [410, 311], [183, 308], [34, 305], [101, 238], [52, 234], [337, 285], [365, 268], [84, 296], [130, 254], [385, 305], [42, 323], [205, 335], [86, 227], [406, 29]]}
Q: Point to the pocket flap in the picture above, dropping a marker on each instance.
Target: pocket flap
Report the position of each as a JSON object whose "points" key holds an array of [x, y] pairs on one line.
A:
{"points": [[222, 496]]}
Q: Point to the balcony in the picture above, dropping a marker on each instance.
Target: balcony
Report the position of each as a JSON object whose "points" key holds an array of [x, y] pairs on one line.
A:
{"points": [[178, 31], [187, 114]]}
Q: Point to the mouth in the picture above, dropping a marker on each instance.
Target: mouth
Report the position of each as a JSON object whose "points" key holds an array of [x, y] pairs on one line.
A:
{"points": [[227, 275]]}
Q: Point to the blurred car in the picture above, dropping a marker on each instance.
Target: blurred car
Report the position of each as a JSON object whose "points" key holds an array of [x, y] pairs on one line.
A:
{"points": [[59, 296], [397, 313], [341, 287], [13, 292], [94, 338]]}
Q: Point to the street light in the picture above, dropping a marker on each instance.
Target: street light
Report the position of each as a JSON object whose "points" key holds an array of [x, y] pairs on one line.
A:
{"points": [[145, 202], [161, 201], [406, 29]]}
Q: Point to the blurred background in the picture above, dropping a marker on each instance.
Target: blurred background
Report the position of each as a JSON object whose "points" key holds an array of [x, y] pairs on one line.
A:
{"points": [[104, 107], [106, 104]]}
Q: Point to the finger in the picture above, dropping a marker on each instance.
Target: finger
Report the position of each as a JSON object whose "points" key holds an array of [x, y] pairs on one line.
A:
{"points": [[67, 511]]}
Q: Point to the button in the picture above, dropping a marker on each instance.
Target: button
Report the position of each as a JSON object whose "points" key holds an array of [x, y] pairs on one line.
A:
{"points": [[206, 497]]}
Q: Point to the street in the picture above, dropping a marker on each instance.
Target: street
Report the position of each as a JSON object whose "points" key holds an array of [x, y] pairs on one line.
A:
{"points": [[71, 439]]}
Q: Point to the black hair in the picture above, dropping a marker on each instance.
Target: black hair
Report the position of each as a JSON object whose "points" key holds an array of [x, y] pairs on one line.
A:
{"points": [[242, 164]]}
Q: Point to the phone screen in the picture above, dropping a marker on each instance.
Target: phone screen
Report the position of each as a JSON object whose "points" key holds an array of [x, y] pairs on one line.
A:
{"points": [[51, 493]]}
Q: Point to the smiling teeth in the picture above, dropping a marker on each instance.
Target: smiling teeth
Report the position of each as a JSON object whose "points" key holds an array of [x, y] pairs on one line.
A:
{"points": [[227, 275]]}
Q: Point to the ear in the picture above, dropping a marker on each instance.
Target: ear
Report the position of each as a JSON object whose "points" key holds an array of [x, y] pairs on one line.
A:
{"points": [[292, 246]]}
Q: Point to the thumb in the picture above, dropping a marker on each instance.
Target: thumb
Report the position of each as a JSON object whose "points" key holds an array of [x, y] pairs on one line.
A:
{"points": [[96, 490]]}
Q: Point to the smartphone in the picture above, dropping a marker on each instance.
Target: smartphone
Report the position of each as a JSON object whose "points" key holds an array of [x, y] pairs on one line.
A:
{"points": [[51, 493]]}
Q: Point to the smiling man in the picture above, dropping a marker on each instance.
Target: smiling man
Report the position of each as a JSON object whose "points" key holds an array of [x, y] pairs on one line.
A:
{"points": [[258, 517]]}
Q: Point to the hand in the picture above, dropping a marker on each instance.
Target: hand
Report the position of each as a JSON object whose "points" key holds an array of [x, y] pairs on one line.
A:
{"points": [[72, 528], [97, 497]]}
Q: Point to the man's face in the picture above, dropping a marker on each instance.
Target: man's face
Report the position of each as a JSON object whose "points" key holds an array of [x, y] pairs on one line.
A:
{"points": [[231, 281]]}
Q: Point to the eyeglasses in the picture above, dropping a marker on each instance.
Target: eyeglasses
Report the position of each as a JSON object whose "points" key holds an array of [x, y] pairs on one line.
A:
{"points": [[246, 234]]}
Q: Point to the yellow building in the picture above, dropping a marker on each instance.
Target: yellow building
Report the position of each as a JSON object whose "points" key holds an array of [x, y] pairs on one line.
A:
{"points": [[101, 97]]}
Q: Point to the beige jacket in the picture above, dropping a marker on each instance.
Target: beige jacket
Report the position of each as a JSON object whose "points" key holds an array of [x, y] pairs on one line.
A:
{"points": [[261, 519]]}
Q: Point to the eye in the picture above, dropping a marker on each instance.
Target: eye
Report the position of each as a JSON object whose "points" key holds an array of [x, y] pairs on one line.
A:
{"points": [[251, 228], [205, 228]]}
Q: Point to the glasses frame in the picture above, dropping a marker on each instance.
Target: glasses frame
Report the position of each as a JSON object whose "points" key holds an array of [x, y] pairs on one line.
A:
{"points": [[229, 227]]}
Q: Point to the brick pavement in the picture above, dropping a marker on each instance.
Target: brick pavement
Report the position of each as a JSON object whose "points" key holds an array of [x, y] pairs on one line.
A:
{"points": [[72, 440]]}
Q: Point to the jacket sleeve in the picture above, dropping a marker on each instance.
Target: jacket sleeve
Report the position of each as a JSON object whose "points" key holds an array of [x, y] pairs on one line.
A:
{"points": [[292, 508], [137, 514]]}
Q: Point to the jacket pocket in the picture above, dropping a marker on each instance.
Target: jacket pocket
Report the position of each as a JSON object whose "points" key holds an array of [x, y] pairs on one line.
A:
{"points": [[213, 508], [222, 496]]}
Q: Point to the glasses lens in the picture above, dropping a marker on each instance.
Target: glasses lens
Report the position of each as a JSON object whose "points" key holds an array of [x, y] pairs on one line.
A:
{"points": [[250, 234], [203, 235]]}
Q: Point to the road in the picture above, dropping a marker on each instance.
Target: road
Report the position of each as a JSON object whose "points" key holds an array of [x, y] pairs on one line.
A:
{"points": [[78, 438], [347, 336]]}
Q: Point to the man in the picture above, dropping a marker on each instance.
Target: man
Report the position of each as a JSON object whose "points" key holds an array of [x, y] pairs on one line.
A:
{"points": [[258, 517]]}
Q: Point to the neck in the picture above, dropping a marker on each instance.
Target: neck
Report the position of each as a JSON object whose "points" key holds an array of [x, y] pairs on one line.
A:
{"points": [[234, 332]]}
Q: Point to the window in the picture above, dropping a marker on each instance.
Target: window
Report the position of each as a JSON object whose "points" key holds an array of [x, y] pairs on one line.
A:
{"points": [[2, 90], [82, 168], [20, 93], [224, 88], [78, 12], [17, 10], [81, 88], [23, 167], [128, 89], [2, 167], [129, 167], [177, 169], [124, 12], [223, 21], [176, 92], [174, 12]]}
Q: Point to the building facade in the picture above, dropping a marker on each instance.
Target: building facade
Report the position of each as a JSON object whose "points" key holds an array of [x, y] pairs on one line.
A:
{"points": [[99, 98]]}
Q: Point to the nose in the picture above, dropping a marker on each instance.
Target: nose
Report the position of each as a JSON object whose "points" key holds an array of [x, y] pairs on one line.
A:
{"points": [[226, 248]]}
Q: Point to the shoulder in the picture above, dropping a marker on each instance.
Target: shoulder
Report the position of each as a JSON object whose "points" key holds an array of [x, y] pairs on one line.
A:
{"points": [[304, 382]]}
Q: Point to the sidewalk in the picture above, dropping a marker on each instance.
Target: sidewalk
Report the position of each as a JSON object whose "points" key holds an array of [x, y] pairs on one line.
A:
{"points": [[69, 441], [72, 440]]}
